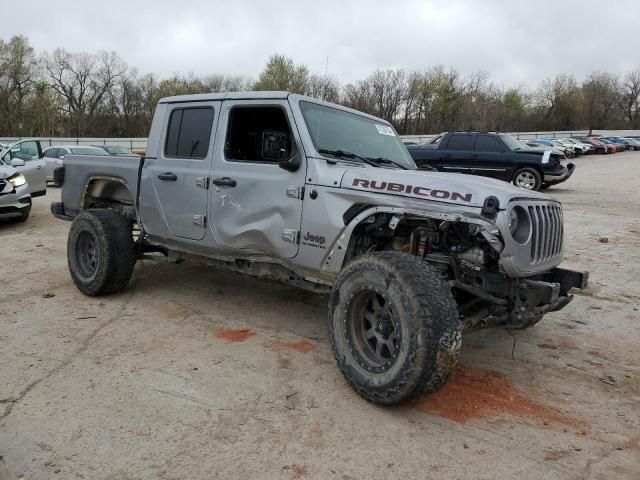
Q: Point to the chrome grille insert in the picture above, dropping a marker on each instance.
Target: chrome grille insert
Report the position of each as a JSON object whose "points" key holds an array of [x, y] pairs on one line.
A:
{"points": [[546, 232]]}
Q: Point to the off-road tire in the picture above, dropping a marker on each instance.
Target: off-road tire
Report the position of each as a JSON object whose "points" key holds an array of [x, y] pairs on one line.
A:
{"points": [[424, 313], [24, 214], [108, 235], [537, 178]]}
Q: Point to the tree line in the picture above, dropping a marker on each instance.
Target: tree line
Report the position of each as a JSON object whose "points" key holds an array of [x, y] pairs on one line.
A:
{"points": [[62, 94]]}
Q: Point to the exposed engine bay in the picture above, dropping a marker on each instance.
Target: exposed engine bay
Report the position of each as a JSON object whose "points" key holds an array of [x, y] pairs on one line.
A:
{"points": [[470, 263]]}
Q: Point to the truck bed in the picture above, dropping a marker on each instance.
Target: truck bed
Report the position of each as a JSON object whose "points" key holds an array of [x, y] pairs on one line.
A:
{"points": [[80, 170]]}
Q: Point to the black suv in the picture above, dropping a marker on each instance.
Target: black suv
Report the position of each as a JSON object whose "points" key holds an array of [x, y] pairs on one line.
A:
{"points": [[494, 155]]}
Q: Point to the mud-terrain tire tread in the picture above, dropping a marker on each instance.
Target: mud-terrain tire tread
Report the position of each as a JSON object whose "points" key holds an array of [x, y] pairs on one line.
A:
{"points": [[117, 251], [428, 366]]}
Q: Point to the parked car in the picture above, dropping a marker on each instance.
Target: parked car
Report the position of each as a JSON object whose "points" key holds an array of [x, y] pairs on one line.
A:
{"points": [[585, 147], [116, 150], [495, 155], [15, 200], [616, 147], [628, 144], [555, 145], [599, 147], [542, 146], [322, 197], [54, 156], [577, 149], [25, 157], [634, 141]]}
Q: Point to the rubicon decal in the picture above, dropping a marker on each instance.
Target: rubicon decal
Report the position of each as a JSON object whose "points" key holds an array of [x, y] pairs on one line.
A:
{"points": [[412, 189]]}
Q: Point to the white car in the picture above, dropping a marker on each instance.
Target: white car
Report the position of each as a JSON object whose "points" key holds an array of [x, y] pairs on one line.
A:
{"points": [[25, 157], [15, 201], [53, 156], [586, 148]]}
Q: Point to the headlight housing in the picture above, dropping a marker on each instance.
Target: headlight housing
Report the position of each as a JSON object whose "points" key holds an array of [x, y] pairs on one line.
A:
{"points": [[519, 224], [513, 221], [17, 180]]}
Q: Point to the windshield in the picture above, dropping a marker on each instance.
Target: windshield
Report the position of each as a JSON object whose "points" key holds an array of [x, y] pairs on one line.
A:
{"points": [[334, 129], [512, 143], [87, 151]]}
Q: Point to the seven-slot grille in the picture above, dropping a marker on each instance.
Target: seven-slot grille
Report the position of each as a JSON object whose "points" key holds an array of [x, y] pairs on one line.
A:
{"points": [[546, 232]]}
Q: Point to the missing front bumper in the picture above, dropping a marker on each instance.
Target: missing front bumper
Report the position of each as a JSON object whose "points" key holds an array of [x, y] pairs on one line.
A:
{"points": [[519, 303]]}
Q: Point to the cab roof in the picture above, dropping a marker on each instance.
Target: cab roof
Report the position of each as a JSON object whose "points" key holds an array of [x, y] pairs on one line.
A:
{"points": [[262, 95], [246, 95]]}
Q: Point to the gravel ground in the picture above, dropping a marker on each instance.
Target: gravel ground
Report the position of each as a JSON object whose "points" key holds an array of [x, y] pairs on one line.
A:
{"points": [[193, 373]]}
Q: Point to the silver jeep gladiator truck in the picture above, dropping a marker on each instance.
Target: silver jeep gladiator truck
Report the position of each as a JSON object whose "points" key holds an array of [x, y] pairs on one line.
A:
{"points": [[286, 187]]}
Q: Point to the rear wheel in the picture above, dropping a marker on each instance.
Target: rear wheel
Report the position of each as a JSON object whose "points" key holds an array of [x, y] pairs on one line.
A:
{"points": [[394, 327], [527, 178], [100, 251]]}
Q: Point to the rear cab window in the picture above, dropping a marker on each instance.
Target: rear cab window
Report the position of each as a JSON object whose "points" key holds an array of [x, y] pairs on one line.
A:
{"points": [[460, 142], [189, 132], [487, 143]]}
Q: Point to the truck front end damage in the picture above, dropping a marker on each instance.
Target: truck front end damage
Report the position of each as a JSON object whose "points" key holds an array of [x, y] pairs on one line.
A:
{"points": [[500, 261]]}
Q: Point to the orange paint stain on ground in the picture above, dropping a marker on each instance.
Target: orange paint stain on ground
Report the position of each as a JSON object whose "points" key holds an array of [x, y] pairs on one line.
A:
{"points": [[301, 345], [234, 335], [299, 471], [475, 394]]}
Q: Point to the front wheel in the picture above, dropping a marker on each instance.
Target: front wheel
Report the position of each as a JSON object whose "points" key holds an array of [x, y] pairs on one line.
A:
{"points": [[394, 327], [100, 251], [527, 178]]}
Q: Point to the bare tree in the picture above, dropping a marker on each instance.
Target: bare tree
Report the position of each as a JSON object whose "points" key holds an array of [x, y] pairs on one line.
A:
{"points": [[630, 98], [82, 81]]}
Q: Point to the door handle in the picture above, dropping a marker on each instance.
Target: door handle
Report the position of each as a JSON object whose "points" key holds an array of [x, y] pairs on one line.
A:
{"points": [[224, 182], [168, 177], [38, 167]]}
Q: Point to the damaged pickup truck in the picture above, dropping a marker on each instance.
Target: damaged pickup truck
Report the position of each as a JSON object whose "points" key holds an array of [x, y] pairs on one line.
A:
{"points": [[322, 197]]}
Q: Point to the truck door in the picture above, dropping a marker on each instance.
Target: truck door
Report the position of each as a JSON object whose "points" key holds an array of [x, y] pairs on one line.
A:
{"points": [[256, 205], [491, 158], [29, 151], [174, 184], [457, 157]]}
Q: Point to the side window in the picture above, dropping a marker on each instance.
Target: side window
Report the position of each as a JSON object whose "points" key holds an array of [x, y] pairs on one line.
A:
{"points": [[460, 142], [258, 134], [485, 143], [189, 132], [52, 153], [25, 151]]}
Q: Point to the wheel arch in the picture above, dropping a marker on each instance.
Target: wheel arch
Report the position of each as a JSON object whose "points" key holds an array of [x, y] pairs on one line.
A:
{"points": [[109, 192]]}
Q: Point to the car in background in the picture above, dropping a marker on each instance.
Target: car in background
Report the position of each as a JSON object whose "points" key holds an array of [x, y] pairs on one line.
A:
{"points": [[629, 145], [586, 147], [598, 147], [496, 155], [615, 146], [569, 152], [25, 157], [544, 146], [15, 200], [117, 150], [53, 156], [577, 149], [634, 141]]}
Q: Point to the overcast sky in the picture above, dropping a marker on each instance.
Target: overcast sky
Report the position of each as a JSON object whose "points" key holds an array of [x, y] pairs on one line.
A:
{"points": [[516, 42]]}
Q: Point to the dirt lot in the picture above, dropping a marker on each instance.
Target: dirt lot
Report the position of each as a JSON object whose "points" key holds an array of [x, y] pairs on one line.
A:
{"points": [[192, 373]]}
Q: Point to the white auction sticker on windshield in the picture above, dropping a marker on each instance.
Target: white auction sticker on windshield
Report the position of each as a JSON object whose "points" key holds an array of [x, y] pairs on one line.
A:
{"points": [[545, 156], [385, 130]]}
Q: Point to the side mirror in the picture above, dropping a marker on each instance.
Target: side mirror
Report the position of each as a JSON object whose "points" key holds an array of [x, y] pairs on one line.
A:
{"points": [[276, 146], [17, 162], [61, 157]]}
